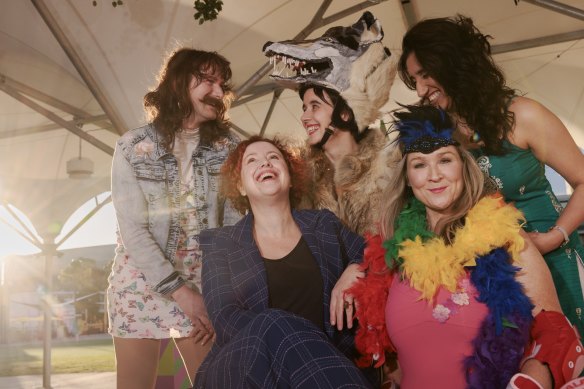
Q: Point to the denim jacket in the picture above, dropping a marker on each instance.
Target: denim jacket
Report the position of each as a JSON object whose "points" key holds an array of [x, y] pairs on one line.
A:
{"points": [[145, 195]]}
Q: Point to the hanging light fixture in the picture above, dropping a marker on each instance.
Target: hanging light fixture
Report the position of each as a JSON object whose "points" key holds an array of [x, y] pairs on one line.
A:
{"points": [[80, 167]]}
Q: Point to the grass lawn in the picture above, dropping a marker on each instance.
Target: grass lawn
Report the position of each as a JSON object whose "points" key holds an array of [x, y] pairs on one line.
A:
{"points": [[92, 355]]}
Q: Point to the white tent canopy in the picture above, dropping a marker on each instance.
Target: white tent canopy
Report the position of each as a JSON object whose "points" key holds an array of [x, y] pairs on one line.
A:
{"points": [[73, 74]]}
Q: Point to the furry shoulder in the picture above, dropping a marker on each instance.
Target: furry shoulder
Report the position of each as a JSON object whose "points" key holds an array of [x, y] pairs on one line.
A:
{"points": [[373, 160]]}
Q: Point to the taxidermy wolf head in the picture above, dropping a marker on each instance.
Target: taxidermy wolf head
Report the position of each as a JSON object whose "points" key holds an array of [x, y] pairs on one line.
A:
{"points": [[351, 60]]}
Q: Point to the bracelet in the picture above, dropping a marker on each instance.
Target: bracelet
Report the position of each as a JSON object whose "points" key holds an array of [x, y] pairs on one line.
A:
{"points": [[566, 237]]}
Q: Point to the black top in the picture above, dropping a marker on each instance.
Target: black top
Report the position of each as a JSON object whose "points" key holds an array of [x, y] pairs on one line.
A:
{"points": [[295, 284]]}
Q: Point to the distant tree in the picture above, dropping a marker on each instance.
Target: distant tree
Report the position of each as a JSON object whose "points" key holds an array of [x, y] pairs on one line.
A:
{"points": [[83, 277]]}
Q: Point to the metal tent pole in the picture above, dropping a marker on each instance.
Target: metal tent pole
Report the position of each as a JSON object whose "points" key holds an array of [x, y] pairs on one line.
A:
{"points": [[49, 252], [558, 7]]}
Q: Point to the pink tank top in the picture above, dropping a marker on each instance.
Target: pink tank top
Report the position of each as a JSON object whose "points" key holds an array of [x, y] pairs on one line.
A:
{"points": [[432, 340]]}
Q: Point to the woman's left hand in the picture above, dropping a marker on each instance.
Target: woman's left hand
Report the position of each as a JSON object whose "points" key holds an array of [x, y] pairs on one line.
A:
{"points": [[546, 242], [193, 306], [342, 304]]}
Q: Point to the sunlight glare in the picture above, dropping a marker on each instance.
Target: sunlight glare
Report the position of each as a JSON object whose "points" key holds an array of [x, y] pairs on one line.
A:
{"points": [[11, 242], [99, 230]]}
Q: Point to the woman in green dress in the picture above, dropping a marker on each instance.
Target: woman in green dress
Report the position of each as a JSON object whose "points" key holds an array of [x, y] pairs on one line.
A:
{"points": [[447, 62]]}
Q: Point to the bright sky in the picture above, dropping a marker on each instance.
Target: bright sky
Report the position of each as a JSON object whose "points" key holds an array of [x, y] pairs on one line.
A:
{"points": [[99, 230]]}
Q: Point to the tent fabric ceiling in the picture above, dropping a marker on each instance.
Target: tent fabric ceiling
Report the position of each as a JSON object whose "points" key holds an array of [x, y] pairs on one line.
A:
{"points": [[122, 49]]}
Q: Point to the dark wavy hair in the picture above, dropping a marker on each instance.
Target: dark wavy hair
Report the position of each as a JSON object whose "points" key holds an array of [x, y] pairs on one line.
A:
{"points": [[455, 53], [170, 103], [231, 173], [339, 105]]}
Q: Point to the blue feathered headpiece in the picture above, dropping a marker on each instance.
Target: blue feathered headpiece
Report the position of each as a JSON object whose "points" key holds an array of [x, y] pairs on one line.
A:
{"points": [[423, 129]]}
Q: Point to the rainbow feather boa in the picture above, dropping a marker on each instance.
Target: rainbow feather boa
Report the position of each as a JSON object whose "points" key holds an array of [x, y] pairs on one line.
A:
{"points": [[430, 263], [489, 243]]}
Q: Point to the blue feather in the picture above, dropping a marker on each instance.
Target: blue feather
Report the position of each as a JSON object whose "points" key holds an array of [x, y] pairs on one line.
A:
{"points": [[504, 333], [412, 131], [494, 278]]}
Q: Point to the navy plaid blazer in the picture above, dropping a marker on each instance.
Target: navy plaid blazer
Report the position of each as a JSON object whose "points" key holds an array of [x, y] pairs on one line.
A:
{"points": [[234, 279]]}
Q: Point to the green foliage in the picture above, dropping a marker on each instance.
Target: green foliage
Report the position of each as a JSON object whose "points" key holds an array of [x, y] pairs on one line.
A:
{"points": [[207, 10], [84, 278], [114, 3]]}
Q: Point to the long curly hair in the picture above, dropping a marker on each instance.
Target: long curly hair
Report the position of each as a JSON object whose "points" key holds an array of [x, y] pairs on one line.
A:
{"points": [[398, 192], [170, 103], [231, 173], [458, 56]]}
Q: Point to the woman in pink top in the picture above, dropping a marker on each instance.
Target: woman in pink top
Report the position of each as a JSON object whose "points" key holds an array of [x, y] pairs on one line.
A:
{"points": [[463, 296]]}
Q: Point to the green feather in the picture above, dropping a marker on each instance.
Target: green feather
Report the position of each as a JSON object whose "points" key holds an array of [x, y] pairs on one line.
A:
{"points": [[507, 323], [410, 223]]}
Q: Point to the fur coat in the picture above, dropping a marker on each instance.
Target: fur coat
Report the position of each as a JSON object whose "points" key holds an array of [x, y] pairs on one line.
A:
{"points": [[354, 192]]}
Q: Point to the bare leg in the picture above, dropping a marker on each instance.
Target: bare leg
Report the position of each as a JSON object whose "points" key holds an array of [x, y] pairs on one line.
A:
{"points": [[192, 354], [136, 362]]}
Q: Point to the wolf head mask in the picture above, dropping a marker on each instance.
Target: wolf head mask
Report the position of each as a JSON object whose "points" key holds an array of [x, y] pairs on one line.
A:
{"points": [[351, 60]]}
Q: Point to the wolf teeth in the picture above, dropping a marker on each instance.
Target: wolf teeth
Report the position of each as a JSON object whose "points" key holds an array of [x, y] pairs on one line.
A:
{"points": [[284, 66]]}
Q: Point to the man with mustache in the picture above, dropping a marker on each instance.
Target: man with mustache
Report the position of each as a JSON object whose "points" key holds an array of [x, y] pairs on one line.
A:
{"points": [[165, 192]]}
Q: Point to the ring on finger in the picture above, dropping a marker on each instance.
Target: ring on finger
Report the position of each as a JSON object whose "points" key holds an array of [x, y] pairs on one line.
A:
{"points": [[346, 305]]}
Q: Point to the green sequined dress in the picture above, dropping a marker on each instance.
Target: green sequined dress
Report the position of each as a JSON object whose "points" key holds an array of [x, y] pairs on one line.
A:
{"points": [[520, 177]]}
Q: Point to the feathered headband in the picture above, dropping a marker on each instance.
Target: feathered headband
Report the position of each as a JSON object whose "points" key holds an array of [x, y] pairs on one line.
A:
{"points": [[423, 129]]}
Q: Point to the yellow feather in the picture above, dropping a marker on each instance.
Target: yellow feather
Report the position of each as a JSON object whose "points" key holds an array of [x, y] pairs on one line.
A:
{"points": [[489, 225]]}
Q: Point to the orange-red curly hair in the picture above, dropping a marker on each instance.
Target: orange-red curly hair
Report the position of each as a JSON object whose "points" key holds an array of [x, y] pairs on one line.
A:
{"points": [[231, 173]]}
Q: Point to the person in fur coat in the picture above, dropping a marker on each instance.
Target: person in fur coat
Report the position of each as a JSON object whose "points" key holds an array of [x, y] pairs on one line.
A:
{"points": [[350, 168], [344, 79]]}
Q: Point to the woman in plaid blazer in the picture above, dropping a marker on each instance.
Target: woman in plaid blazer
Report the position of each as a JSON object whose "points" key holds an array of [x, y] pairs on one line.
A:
{"points": [[274, 283]]}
